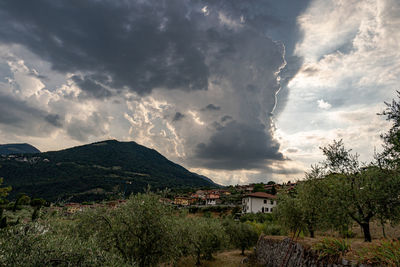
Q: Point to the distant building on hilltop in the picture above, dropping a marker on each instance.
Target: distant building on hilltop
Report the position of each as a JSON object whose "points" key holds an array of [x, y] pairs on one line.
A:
{"points": [[258, 202]]}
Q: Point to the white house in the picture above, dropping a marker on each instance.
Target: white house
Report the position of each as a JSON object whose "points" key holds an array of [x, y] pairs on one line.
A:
{"points": [[258, 202]]}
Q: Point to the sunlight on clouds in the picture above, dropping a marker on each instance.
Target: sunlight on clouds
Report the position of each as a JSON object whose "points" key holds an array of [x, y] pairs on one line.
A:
{"points": [[351, 51], [323, 104], [196, 117]]}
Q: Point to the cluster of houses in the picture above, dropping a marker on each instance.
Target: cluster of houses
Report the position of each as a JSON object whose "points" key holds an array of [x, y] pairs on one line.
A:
{"points": [[251, 202], [202, 197], [22, 158], [71, 208]]}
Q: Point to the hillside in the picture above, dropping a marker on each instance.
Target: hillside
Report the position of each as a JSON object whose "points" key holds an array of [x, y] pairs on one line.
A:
{"points": [[95, 171], [17, 149]]}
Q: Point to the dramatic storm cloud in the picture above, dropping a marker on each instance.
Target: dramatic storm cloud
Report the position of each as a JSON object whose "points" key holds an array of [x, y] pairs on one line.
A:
{"points": [[237, 90]]}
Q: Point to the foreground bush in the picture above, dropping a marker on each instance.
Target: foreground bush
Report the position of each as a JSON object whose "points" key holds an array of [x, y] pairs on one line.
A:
{"points": [[331, 248], [142, 231], [203, 237], [41, 245], [241, 235], [384, 253]]}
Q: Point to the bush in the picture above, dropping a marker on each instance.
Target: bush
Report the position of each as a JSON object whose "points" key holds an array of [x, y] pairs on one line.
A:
{"points": [[257, 217], [142, 231], [193, 209], [331, 248], [384, 253], [38, 244], [204, 236], [241, 235], [273, 229]]}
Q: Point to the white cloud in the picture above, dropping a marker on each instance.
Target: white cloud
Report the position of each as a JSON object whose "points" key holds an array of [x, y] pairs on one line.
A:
{"points": [[351, 53], [323, 104]]}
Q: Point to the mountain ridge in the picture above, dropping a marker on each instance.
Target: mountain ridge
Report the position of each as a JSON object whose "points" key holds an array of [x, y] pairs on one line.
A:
{"points": [[95, 171], [17, 148]]}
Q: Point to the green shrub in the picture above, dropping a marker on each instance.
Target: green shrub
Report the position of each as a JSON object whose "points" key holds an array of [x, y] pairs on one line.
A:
{"points": [[193, 209], [204, 236], [241, 235], [384, 253], [257, 217], [142, 231], [38, 244], [331, 247], [273, 229], [207, 214]]}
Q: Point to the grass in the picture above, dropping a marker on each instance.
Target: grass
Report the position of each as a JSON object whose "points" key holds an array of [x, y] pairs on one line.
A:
{"points": [[385, 252], [332, 248], [231, 258]]}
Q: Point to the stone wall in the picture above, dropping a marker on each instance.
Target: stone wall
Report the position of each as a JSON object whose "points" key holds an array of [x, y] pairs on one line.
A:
{"points": [[275, 252]]}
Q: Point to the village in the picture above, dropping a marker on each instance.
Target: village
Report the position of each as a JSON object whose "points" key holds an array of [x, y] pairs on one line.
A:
{"points": [[250, 198]]}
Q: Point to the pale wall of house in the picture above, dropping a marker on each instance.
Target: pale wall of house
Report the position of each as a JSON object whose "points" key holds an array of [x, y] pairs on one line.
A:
{"points": [[255, 204]]}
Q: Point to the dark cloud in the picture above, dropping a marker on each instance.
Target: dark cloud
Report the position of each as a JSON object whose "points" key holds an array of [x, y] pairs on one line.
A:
{"points": [[226, 118], [140, 45], [211, 107], [81, 129], [178, 116], [110, 46], [91, 86], [18, 117], [239, 146]]}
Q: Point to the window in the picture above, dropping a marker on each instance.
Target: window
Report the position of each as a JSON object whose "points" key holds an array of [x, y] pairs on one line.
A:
{"points": [[266, 209], [265, 201], [271, 209], [272, 202], [262, 210]]}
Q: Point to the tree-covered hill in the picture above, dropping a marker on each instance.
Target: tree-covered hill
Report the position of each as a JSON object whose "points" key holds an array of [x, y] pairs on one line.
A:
{"points": [[17, 149], [95, 171]]}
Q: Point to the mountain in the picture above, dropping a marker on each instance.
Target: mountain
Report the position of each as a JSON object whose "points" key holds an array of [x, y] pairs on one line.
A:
{"points": [[95, 171], [17, 149]]}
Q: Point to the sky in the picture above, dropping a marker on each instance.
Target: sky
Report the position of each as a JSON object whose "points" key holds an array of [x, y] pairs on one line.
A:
{"points": [[239, 91]]}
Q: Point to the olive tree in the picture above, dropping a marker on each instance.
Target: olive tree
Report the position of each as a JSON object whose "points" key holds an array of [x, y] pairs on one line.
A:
{"points": [[205, 237], [241, 235], [142, 231]]}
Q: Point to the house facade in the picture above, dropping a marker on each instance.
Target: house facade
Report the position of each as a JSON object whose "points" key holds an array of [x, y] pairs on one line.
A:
{"points": [[258, 202]]}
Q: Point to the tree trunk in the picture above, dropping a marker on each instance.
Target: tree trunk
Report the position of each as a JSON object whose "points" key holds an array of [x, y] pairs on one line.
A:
{"points": [[366, 231], [383, 229], [311, 231], [243, 251], [198, 258]]}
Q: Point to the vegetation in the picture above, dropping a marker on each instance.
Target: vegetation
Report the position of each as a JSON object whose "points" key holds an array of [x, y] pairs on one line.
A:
{"points": [[331, 248], [141, 232], [383, 253], [340, 191], [241, 235]]}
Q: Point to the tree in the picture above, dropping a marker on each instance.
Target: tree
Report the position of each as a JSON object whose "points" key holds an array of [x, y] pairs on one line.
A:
{"points": [[241, 235], [301, 209], [259, 188], [289, 212], [142, 231], [3, 194], [205, 236], [360, 193], [390, 157]]}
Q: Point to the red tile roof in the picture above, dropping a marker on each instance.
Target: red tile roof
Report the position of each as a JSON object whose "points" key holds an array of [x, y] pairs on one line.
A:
{"points": [[261, 195]]}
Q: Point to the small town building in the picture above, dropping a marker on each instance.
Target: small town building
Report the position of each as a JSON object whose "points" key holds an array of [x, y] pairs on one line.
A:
{"points": [[183, 201], [258, 202], [212, 199]]}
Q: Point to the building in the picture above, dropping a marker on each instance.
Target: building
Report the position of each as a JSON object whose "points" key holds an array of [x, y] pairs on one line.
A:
{"points": [[212, 199], [258, 202], [184, 201]]}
